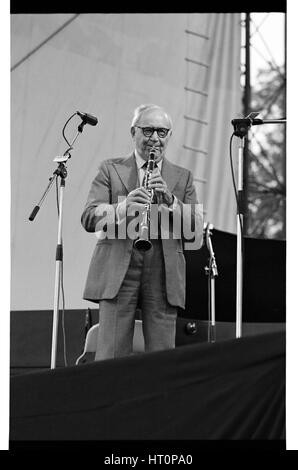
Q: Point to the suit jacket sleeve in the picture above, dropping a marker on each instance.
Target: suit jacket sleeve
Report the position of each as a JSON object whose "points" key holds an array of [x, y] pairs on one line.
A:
{"points": [[186, 219], [99, 212]]}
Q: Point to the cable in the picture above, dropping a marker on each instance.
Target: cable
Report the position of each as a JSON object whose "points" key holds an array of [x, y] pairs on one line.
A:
{"points": [[271, 65], [57, 197], [44, 42], [266, 47], [238, 206], [257, 27], [63, 133], [234, 183], [63, 317], [209, 299]]}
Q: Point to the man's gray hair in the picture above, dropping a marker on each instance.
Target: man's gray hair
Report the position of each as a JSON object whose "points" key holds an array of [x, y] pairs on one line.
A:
{"points": [[147, 107]]}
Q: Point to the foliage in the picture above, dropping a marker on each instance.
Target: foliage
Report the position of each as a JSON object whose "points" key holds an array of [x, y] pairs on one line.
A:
{"points": [[266, 167]]}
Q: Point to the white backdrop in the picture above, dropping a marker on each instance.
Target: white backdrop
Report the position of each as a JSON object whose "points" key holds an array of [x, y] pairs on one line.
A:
{"points": [[106, 65]]}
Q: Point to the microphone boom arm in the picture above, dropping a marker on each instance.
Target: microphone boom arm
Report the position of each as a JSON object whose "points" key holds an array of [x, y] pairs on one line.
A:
{"points": [[242, 125]]}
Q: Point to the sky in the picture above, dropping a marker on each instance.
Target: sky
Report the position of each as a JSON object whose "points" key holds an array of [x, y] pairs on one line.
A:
{"points": [[267, 41], [272, 29]]}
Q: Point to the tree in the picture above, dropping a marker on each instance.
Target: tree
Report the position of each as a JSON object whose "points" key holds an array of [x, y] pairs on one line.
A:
{"points": [[266, 185]]}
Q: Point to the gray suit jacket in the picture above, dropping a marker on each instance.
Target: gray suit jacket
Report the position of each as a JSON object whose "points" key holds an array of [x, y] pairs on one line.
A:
{"points": [[111, 257]]}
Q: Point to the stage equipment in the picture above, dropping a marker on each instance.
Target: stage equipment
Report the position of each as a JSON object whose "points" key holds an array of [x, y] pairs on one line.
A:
{"points": [[211, 271], [241, 127], [61, 172]]}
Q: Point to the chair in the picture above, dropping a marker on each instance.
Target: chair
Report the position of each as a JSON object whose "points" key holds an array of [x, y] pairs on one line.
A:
{"points": [[88, 354]]}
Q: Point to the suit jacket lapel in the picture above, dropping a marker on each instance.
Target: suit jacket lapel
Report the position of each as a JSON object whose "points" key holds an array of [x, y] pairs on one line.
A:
{"points": [[128, 173]]}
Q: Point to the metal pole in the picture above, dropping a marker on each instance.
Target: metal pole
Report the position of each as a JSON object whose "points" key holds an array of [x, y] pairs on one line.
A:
{"points": [[246, 111], [239, 275], [284, 167], [247, 90], [211, 271], [242, 216], [59, 260]]}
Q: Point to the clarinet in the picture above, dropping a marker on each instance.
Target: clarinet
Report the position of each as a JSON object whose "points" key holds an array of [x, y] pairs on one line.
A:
{"points": [[143, 243]]}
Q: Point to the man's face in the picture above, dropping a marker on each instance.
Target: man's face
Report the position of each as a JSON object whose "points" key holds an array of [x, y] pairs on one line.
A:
{"points": [[151, 119]]}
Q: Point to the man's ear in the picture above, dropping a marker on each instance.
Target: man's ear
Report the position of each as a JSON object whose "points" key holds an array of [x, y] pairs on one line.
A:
{"points": [[132, 131]]}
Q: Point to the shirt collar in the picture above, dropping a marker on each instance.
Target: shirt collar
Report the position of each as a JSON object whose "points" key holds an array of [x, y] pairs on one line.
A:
{"points": [[140, 161]]}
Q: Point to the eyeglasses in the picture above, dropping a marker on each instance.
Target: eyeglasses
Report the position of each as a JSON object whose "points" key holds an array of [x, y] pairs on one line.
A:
{"points": [[149, 131]]}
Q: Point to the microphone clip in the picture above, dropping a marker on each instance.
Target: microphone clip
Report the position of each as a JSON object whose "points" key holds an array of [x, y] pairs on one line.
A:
{"points": [[241, 126], [81, 126]]}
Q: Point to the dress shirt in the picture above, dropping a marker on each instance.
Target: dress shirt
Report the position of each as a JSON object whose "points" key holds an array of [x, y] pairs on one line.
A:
{"points": [[120, 210]]}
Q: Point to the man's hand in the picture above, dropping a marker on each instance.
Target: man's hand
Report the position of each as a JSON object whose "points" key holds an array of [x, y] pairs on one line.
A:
{"points": [[135, 200], [159, 185], [138, 196]]}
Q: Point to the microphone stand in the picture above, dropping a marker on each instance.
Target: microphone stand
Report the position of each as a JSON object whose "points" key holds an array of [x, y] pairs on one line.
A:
{"points": [[211, 272], [60, 172], [241, 127]]}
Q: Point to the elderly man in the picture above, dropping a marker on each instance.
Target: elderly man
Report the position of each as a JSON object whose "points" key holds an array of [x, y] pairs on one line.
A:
{"points": [[120, 276]]}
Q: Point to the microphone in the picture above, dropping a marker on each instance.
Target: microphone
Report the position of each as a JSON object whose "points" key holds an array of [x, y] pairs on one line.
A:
{"points": [[88, 118]]}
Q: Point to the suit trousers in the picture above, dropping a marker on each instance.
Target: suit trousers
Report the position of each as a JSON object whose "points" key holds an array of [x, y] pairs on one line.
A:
{"points": [[143, 286]]}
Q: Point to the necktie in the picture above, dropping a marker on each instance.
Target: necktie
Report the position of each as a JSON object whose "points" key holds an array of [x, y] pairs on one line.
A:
{"points": [[145, 169]]}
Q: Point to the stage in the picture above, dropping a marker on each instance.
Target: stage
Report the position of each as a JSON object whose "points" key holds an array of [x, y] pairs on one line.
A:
{"points": [[203, 394], [230, 393]]}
